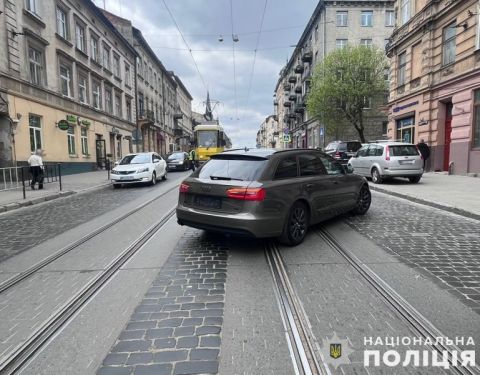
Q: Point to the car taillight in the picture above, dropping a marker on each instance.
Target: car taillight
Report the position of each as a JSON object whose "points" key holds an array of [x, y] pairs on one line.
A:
{"points": [[247, 194], [387, 153], [337, 155], [184, 188], [419, 153]]}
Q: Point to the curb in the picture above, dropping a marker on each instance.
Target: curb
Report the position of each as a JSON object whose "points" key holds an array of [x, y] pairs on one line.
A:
{"points": [[444, 207], [30, 202]]}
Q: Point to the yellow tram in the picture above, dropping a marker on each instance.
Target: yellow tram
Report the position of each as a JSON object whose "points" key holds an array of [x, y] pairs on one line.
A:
{"points": [[209, 140]]}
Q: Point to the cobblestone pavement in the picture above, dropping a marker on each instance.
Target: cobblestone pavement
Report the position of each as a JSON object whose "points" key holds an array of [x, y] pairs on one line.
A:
{"points": [[440, 245], [177, 327], [26, 228]]}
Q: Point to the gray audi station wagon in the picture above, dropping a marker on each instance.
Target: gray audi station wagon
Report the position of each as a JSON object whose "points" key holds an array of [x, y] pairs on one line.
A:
{"points": [[270, 193]]}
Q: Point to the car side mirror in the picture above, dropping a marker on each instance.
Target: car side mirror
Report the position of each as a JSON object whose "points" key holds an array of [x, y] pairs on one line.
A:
{"points": [[117, 163]]}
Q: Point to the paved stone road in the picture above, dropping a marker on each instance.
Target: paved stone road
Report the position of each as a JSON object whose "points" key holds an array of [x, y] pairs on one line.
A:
{"points": [[177, 327], [441, 245], [26, 228]]}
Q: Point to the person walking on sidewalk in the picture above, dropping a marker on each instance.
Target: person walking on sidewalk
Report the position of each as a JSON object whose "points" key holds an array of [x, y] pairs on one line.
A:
{"points": [[191, 156], [424, 151], [36, 168]]}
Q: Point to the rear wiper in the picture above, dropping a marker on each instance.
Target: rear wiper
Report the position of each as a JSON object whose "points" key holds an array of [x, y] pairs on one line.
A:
{"points": [[224, 178]]}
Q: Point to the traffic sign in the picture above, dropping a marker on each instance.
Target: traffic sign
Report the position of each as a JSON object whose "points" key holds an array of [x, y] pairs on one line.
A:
{"points": [[321, 131], [287, 138], [63, 125]]}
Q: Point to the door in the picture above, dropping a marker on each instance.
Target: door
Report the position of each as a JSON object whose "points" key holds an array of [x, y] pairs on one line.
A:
{"points": [[359, 162], [448, 136], [100, 151]]}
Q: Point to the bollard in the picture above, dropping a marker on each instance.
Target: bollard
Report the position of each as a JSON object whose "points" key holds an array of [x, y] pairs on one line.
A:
{"points": [[108, 169], [23, 183], [60, 175]]}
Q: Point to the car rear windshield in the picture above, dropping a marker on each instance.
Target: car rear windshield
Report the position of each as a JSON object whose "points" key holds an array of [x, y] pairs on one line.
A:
{"points": [[405, 150], [233, 169], [332, 146], [178, 156], [349, 146]]}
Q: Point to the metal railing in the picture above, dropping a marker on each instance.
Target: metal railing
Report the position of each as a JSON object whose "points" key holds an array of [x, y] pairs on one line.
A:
{"points": [[12, 178]]}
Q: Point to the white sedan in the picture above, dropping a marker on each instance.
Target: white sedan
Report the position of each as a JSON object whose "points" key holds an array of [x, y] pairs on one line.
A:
{"points": [[145, 167]]}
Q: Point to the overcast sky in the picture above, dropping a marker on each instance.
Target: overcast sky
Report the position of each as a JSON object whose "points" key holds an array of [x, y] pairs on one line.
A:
{"points": [[202, 22]]}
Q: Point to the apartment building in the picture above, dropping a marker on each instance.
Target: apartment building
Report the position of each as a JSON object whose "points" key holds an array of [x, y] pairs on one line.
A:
{"points": [[269, 134], [435, 81], [183, 128], [67, 84], [333, 24]]}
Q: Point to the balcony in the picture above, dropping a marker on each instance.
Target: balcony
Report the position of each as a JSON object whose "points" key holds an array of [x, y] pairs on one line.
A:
{"points": [[299, 108], [298, 89], [307, 56], [292, 79], [299, 69], [275, 102], [146, 115], [292, 97], [286, 87], [287, 104]]}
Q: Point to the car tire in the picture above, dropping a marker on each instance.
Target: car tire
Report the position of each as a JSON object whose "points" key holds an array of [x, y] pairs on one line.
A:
{"points": [[153, 181], [376, 178], [296, 226], [164, 177], [117, 186], [364, 200], [415, 179]]}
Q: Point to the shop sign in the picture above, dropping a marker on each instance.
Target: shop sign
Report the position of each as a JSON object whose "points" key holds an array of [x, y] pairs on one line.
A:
{"points": [[398, 109], [86, 122], [72, 119], [63, 125]]}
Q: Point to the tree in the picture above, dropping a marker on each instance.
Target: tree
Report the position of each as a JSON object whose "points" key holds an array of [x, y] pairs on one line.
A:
{"points": [[343, 83]]}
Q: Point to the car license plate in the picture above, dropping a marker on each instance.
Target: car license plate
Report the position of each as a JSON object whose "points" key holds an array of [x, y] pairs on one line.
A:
{"points": [[126, 178], [406, 162], [208, 202]]}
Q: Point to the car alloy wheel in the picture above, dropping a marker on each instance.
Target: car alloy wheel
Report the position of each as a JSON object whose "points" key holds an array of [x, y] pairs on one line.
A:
{"points": [[376, 178], [164, 177], [296, 226], [415, 179], [364, 200], [154, 178]]}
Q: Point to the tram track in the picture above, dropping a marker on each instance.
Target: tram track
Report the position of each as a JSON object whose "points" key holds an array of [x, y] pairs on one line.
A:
{"points": [[15, 280], [13, 362]]}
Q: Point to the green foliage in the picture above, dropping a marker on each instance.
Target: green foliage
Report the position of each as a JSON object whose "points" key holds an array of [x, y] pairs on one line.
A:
{"points": [[342, 82]]}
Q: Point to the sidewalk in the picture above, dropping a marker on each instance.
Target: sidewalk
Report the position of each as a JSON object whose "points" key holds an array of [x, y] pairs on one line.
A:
{"points": [[71, 184], [457, 194]]}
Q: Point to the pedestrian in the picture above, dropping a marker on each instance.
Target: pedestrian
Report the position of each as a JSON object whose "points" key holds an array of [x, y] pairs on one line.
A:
{"points": [[36, 169], [191, 156], [424, 151]]}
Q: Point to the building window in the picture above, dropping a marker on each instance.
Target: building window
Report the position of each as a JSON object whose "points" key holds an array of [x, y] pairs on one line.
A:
{"points": [[341, 43], [316, 33], [66, 79], [62, 23], [118, 105], [449, 36], [119, 147], [35, 58], [128, 106], [366, 42], [477, 42], [476, 131], [84, 140], [83, 88], [141, 105], [406, 130], [116, 65], [384, 127], [416, 61], [35, 128], [106, 57], [108, 100], [402, 63], [342, 18], [80, 37], [389, 18], [367, 102], [405, 11], [145, 71], [31, 6], [94, 48], [71, 140], [97, 94], [127, 75], [367, 18]]}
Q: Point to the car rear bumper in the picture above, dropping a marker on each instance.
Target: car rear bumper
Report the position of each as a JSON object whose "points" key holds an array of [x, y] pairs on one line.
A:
{"points": [[402, 172], [244, 224]]}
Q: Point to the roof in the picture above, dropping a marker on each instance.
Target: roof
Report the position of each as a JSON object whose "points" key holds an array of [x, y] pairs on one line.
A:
{"points": [[182, 86], [208, 127], [101, 14]]}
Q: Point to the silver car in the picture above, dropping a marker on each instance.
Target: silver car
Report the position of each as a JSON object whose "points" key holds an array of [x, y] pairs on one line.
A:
{"points": [[385, 160]]}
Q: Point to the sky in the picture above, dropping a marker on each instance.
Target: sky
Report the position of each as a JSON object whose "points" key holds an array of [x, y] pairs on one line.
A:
{"points": [[244, 99]]}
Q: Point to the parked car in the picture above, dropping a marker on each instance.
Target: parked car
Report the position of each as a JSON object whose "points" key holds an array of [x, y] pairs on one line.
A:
{"points": [[178, 161], [269, 193], [381, 161], [146, 167], [342, 151]]}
